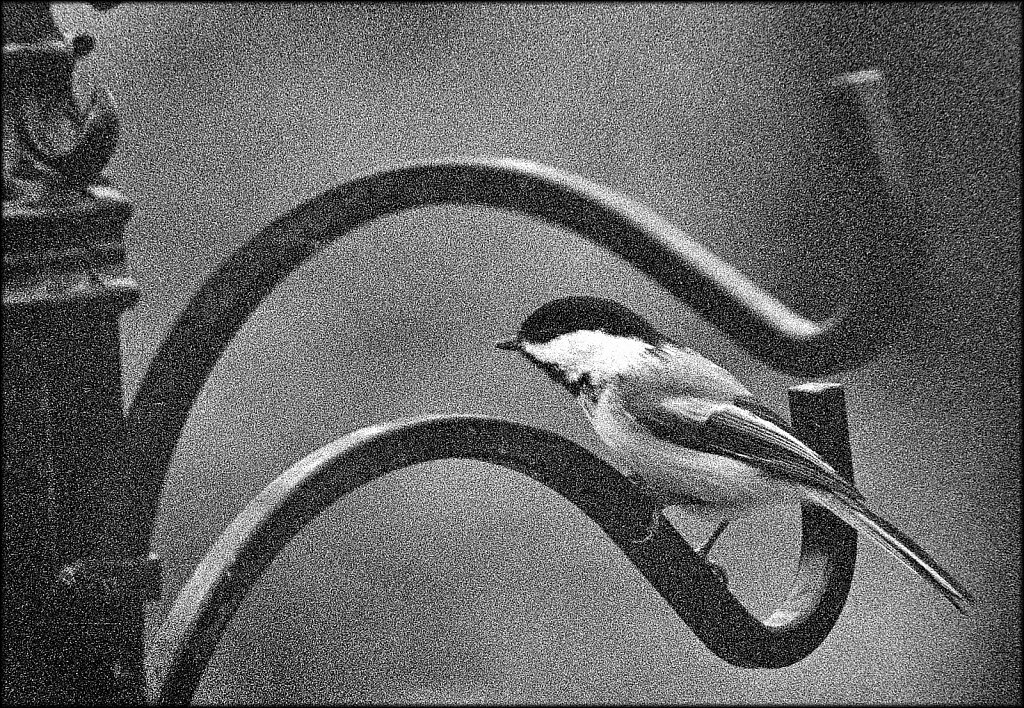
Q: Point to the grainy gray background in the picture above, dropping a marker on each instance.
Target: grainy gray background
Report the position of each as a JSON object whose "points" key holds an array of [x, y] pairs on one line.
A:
{"points": [[466, 583]]}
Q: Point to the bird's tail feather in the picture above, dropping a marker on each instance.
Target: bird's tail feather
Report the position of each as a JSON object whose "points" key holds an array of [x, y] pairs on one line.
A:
{"points": [[890, 538]]}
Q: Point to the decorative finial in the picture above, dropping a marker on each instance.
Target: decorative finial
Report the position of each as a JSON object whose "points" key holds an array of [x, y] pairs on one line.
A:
{"points": [[63, 221]]}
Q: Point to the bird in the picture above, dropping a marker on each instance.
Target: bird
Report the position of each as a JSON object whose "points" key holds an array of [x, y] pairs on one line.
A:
{"points": [[689, 434]]}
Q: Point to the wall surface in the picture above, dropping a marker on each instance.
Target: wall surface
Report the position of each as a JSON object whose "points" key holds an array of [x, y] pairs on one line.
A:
{"points": [[464, 582]]}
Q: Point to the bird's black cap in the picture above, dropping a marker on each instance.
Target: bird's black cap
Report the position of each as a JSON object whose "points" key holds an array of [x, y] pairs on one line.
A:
{"points": [[572, 314]]}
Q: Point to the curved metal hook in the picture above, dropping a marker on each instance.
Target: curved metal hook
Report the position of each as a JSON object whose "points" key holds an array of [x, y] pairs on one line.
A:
{"points": [[186, 641], [717, 291]]}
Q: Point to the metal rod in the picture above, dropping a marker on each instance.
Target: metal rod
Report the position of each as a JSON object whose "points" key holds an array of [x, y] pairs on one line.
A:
{"points": [[184, 644]]}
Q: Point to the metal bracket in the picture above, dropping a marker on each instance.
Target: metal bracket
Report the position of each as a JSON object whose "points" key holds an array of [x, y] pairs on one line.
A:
{"points": [[183, 646]]}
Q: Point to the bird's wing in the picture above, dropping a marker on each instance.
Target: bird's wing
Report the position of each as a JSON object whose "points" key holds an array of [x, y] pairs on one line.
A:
{"points": [[762, 411], [744, 430]]}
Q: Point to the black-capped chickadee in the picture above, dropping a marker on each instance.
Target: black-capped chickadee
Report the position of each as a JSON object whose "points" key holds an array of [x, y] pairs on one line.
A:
{"points": [[688, 433]]}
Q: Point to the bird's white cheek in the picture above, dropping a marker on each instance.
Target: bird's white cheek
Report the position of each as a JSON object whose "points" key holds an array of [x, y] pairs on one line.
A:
{"points": [[597, 355]]}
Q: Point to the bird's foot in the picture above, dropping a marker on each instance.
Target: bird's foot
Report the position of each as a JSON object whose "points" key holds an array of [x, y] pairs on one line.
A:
{"points": [[704, 551], [652, 528], [718, 571]]}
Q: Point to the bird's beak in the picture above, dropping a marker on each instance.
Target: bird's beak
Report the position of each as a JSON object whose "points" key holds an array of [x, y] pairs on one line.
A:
{"points": [[510, 346]]}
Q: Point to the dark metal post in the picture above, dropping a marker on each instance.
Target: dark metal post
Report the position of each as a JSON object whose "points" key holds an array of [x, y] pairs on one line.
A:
{"points": [[76, 575]]}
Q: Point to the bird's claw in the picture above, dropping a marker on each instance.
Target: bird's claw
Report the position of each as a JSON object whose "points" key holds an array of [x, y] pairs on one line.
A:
{"points": [[646, 537], [652, 528], [718, 572]]}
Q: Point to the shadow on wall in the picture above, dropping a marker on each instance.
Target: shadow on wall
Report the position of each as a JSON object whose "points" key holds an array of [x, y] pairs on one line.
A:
{"points": [[463, 583]]}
